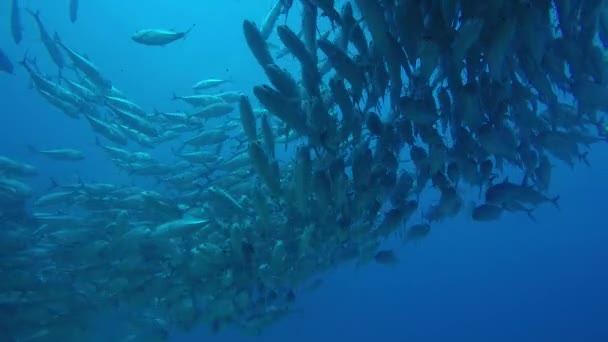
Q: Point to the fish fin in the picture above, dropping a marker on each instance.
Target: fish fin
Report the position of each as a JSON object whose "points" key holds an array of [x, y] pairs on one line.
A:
{"points": [[175, 97]]}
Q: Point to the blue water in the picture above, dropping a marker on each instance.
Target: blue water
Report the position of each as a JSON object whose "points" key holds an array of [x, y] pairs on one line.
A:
{"points": [[512, 280]]}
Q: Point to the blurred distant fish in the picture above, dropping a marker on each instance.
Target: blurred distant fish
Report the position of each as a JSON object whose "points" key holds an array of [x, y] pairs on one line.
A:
{"points": [[5, 64], [386, 257], [74, 10], [16, 28], [159, 37], [66, 154]]}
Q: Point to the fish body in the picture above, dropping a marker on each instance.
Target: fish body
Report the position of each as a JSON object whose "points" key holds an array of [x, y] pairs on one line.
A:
{"points": [[159, 37], [66, 154], [73, 8], [86, 67], [209, 84], [16, 26]]}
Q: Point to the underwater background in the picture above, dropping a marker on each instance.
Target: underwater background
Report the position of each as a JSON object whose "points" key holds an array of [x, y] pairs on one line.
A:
{"points": [[509, 280]]}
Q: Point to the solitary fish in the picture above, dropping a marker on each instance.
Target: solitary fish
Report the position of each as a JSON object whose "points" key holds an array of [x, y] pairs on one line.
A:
{"points": [[74, 10], [16, 28], [159, 37]]}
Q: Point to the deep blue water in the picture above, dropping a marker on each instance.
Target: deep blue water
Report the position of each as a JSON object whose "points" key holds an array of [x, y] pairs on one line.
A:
{"points": [[512, 280]]}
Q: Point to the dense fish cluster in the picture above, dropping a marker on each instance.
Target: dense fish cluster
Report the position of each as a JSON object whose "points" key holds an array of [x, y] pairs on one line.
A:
{"points": [[398, 99]]}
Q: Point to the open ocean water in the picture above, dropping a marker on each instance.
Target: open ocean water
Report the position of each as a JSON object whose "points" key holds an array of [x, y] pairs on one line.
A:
{"points": [[507, 280]]}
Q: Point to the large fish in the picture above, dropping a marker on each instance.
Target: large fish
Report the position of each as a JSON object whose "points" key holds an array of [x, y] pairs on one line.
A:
{"points": [[159, 37]]}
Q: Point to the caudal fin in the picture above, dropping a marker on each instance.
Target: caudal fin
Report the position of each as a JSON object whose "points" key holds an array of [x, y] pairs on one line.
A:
{"points": [[583, 158], [555, 201], [32, 149], [35, 14], [530, 213]]}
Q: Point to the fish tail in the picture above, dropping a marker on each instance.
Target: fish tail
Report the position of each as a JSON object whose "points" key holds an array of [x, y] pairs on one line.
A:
{"points": [[53, 185], [530, 213], [35, 14], [23, 60], [32, 149], [188, 31], [555, 201], [583, 158], [174, 97]]}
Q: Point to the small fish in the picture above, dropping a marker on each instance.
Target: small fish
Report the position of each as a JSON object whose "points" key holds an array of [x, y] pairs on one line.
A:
{"points": [[159, 37]]}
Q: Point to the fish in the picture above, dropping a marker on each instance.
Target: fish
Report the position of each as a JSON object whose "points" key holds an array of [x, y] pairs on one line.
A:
{"points": [[487, 212], [271, 18], [86, 67], [159, 37], [65, 154], [16, 25], [386, 257], [209, 84], [49, 42], [398, 101], [73, 10]]}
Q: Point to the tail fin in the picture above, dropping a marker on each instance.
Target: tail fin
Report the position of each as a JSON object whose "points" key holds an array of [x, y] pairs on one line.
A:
{"points": [[53, 185], [583, 158], [32, 149], [35, 14], [555, 201], [530, 213], [175, 97], [188, 30]]}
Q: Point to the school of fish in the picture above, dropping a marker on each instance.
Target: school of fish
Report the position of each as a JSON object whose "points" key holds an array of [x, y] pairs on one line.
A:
{"points": [[469, 104]]}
